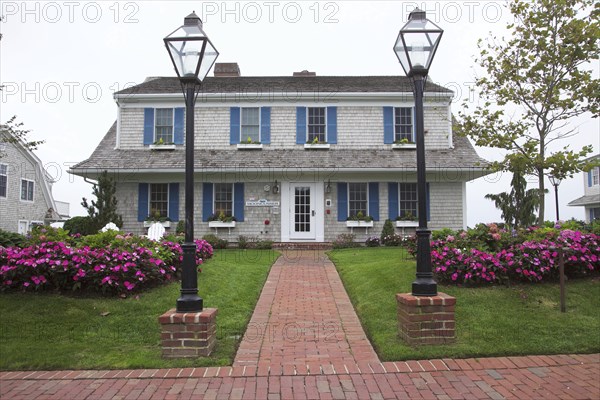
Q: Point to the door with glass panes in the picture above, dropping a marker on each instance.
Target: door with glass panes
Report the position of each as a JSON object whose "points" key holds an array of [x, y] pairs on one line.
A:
{"points": [[302, 211]]}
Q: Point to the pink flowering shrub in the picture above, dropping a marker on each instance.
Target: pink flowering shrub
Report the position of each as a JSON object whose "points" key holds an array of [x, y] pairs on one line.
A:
{"points": [[455, 258], [122, 264]]}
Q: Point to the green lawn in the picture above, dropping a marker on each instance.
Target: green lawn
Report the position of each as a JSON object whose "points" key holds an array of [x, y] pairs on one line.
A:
{"points": [[49, 331], [490, 321]]}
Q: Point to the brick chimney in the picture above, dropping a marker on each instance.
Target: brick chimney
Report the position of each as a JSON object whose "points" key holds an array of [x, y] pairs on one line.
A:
{"points": [[227, 70], [305, 73]]}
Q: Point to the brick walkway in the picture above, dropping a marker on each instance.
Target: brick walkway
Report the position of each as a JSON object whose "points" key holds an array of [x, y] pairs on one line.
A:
{"points": [[304, 341], [304, 320], [541, 377]]}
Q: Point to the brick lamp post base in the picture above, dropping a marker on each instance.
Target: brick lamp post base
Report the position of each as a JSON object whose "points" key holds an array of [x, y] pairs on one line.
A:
{"points": [[188, 335], [426, 320]]}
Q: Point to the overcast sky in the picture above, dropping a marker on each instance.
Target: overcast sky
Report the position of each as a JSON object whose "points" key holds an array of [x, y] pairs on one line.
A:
{"points": [[61, 62]]}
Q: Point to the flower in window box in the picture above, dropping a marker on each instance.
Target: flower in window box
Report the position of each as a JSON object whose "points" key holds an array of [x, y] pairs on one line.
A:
{"points": [[155, 216], [403, 141], [221, 217], [315, 141], [407, 217], [360, 216], [250, 141], [161, 142]]}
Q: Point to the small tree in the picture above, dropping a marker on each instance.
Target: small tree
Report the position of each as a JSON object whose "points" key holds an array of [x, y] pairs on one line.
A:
{"points": [[12, 132], [104, 209], [518, 206], [388, 230]]}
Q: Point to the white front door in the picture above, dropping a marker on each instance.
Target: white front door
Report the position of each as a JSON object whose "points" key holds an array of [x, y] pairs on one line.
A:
{"points": [[302, 212]]}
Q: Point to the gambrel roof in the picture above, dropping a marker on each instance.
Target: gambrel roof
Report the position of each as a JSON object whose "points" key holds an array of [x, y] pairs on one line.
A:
{"points": [[109, 156]]}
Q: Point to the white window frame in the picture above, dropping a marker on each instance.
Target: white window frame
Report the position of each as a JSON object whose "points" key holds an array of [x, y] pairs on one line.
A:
{"points": [[348, 197], [5, 175], [243, 140], [19, 225], [416, 214], [172, 123], [32, 191], [596, 176], [306, 140], [214, 193], [150, 197], [413, 140]]}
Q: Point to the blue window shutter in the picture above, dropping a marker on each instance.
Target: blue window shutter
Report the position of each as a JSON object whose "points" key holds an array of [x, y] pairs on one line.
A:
{"points": [[174, 201], [332, 125], [234, 126], [374, 200], [238, 201], [388, 125], [300, 125], [148, 126], [265, 125], [342, 203], [590, 178], [142, 201], [392, 200], [427, 204], [178, 126], [207, 200]]}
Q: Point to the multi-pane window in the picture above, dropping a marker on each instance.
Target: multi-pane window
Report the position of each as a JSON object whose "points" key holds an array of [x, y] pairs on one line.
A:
{"points": [[403, 124], [3, 179], [163, 131], [223, 199], [250, 125], [302, 212], [26, 190], [159, 200], [596, 176], [594, 214], [317, 127], [408, 199], [357, 199]]}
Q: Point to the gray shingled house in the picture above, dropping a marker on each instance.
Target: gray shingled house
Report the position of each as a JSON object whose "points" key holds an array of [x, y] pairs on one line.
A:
{"points": [[26, 190], [302, 158], [591, 193]]}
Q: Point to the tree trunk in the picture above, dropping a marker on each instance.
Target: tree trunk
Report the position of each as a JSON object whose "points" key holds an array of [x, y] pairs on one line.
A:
{"points": [[542, 195]]}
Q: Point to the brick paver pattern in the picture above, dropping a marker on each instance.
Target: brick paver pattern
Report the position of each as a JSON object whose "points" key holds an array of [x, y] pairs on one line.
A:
{"points": [[304, 341], [304, 319]]}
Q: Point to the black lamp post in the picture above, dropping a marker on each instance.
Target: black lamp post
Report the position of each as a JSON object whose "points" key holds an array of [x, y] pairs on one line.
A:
{"points": [[193, 55], [415, 48], [555, 181]]}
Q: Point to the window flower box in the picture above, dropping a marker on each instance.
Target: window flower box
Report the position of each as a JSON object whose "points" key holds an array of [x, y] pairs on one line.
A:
{"points": [[165, 224], [221, 224], [359, 224], [249, 146], [407, 224], [161, 147], [404, 146], [316, 146]]}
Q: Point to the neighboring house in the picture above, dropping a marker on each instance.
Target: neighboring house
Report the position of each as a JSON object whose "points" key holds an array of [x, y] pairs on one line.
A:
{"points": [[26, 191], [291, 158], [591, 193]]}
